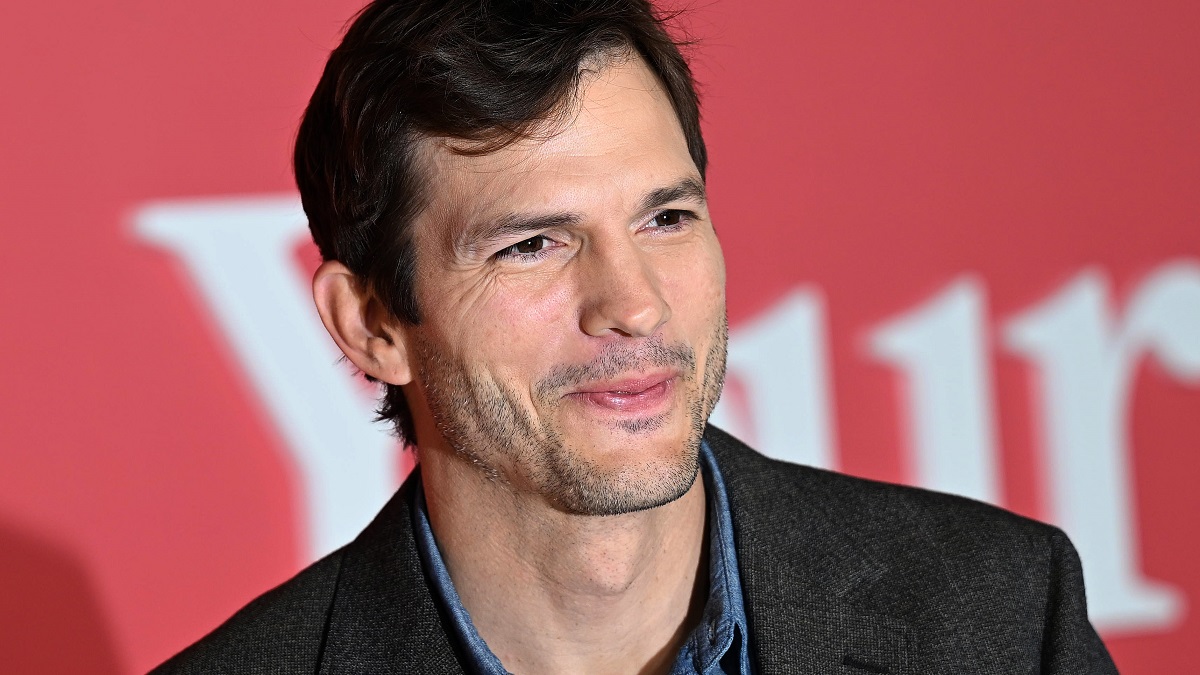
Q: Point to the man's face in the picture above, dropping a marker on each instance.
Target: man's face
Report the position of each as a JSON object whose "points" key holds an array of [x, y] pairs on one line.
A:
{"points": [[571, 288]]}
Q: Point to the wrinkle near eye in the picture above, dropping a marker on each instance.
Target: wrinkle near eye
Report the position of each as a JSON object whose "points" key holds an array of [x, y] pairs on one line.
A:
{"points": [[474, 292], [479, 285]]}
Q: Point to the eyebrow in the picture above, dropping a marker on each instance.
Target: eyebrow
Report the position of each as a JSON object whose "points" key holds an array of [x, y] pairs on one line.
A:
{"points": [[516, 224], [688, 189]]}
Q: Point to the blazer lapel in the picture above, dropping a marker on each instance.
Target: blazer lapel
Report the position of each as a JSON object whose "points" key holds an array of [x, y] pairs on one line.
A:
{"points": [[384, 618], [803, 571]]}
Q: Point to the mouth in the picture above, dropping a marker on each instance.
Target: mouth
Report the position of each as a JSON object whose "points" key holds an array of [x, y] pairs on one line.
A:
{"points": [[639, 394]]}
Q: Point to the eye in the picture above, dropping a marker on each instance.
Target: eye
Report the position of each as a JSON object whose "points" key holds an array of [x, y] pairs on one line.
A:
{"points": [[670, 218], [528, 247]]}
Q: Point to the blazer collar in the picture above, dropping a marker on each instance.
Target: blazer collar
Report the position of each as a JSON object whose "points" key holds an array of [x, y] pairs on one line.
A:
{"points": [[807, 569], [383, 618]]}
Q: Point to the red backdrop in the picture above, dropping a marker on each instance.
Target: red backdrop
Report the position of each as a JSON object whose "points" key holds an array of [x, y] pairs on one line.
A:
{"points": [[984, 215]]}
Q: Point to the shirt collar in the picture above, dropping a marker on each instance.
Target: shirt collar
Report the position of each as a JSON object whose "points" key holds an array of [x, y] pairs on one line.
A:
{"points": [[717, 645], [480, 659]]}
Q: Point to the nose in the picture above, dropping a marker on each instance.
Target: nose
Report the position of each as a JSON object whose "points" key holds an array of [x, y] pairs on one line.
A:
{"points": [[621, 292]]}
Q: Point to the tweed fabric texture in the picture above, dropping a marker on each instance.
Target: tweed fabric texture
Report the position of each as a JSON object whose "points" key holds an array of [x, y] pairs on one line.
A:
{"points": [[839, 575]]}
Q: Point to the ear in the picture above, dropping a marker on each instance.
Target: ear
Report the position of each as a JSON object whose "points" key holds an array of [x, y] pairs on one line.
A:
{"points": [[362, 328]]}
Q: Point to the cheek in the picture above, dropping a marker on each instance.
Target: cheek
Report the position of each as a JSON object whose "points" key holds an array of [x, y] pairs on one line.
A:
{"points": [[695, 289], [532, 306], [515, 328]]}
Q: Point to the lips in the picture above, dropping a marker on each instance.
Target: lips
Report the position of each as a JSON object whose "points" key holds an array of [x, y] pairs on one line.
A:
{"points": [[642, 394]]}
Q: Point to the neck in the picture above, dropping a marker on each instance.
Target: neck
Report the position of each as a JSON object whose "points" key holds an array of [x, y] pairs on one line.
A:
{"points": [[552, 592]]}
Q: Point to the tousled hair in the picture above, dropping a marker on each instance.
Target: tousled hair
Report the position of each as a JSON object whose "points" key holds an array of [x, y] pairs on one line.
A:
{"points": [[484, 72]]}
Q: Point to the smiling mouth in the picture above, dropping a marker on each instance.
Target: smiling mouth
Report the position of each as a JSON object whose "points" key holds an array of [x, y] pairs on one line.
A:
{"points": [[640, 395]]}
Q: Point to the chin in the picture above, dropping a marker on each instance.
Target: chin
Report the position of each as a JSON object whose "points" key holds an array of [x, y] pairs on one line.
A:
{"points": [[634, 465]]}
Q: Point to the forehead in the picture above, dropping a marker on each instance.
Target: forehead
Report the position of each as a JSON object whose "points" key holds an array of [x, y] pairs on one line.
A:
{"points": [[620, 138]]}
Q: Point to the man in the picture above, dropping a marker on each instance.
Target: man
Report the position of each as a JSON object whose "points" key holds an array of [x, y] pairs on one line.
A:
{"points": [[509, 199]]}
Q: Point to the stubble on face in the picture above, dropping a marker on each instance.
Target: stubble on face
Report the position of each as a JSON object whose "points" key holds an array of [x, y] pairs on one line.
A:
{"points": [[486, 422]]}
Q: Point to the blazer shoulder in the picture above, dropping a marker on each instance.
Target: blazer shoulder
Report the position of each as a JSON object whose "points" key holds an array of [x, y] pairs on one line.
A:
{"points": [[278, 632], [963, 573], [795, 494], [905, 538]]}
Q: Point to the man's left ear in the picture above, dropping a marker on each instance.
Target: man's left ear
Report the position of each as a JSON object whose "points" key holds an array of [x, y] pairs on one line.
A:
{"points": [[362, 328]]}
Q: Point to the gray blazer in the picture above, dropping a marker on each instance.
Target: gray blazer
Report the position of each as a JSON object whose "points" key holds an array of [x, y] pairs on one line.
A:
{"points": [[840, 575]]}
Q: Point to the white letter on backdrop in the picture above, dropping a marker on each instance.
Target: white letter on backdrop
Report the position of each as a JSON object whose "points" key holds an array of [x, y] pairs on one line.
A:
{"points": [[780, 358], [941, 348], [1086, 361], [239, 253]]}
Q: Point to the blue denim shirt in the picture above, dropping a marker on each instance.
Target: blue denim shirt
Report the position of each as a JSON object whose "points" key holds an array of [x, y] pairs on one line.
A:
{"points": [[717, 645]]}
